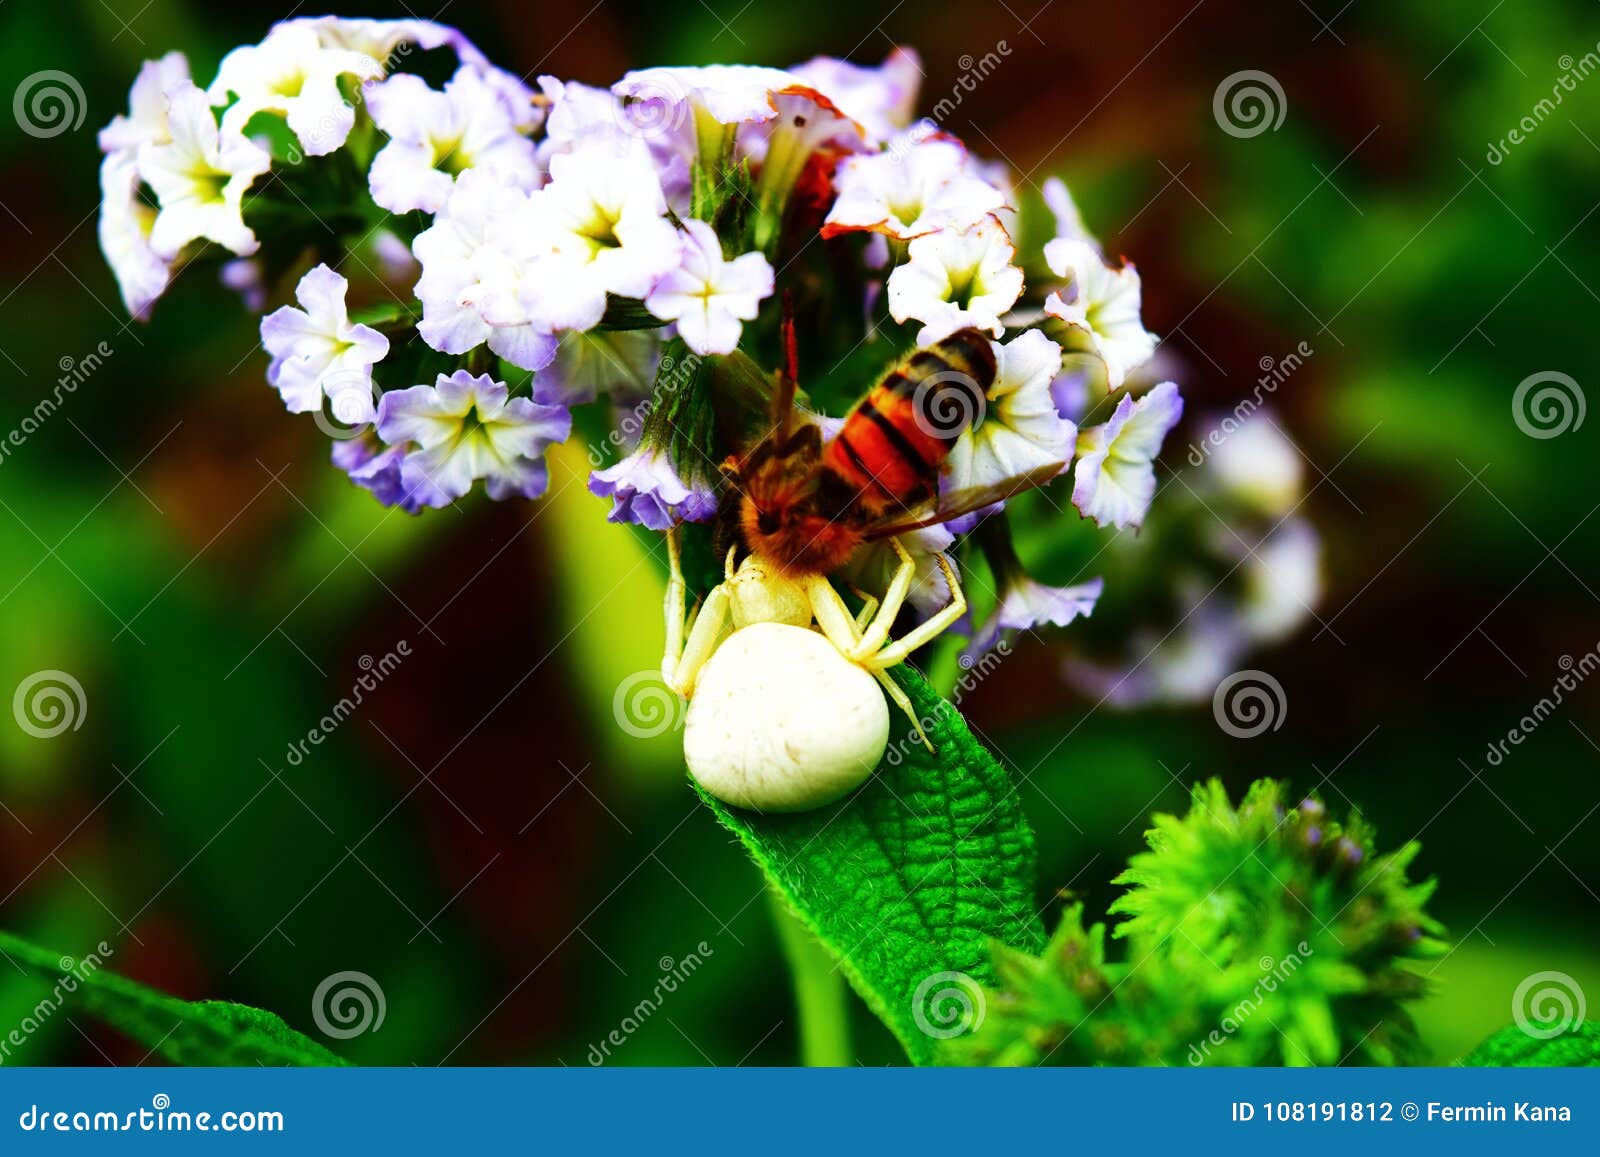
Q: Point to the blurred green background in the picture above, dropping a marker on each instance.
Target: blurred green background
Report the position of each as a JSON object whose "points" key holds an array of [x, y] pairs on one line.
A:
{"points": [[513, 869]]}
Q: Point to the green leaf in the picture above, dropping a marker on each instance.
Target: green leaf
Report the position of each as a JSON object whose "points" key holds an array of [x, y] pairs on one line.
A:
{"points": [[209, 1032], [1578, 1047], [915, 874]]}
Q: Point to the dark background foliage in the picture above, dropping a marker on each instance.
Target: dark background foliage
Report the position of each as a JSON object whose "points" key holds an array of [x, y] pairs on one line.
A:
{"points": [[482, 840]]}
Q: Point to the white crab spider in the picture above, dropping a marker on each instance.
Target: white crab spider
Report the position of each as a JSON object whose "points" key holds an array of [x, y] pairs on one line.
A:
{"points": [[783, 714]]}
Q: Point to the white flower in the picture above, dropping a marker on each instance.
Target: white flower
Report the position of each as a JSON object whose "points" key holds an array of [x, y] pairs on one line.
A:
{"points": [[721, 94], [125, 222], [927, 187], [1115, 476], [199, 178], [292, 73], [879, 99], [435, 135], [1019, 431], [1069, 221], [708, 296], [1255, 463], [464, 428], [581, 116], [380, 39], [1027, 604], [1103, 303], [598, 227], [146, 122], [872, 567], [316, 350], [1282, 581], [474, 258], [954, 280]]}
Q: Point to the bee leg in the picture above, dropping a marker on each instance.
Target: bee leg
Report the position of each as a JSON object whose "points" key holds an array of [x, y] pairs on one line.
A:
{"points": [[877, 634], [926, 631], [902, 701]]}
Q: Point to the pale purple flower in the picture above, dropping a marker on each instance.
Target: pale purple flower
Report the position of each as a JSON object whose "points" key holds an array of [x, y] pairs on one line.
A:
{"points": [[465, 427], [1115, 476], [435, 135], [125, 224], [376, 467], [146, 119], [1027, 604], [474, 259], [318, 351], [709, 297], [644, 488]]}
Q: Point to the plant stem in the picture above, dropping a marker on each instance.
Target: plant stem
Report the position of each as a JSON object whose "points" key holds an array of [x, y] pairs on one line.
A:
{"points": [[821, 998]]}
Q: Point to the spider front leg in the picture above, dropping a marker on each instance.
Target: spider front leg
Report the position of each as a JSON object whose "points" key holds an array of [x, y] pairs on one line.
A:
{"points": [[925, 632], [877, 633], [843, 631], [681, 661]]}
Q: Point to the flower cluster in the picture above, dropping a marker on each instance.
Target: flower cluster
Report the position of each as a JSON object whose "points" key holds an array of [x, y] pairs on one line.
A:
{"points": [[473, 258]]}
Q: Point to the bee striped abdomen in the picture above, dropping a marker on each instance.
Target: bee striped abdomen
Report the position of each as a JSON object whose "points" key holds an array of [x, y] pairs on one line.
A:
{"points": [[893, 443]]}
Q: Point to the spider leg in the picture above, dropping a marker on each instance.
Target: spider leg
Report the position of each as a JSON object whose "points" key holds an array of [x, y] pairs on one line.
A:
{"points": [[927, 631], [902, 701], [869, 607], [877, 634]]}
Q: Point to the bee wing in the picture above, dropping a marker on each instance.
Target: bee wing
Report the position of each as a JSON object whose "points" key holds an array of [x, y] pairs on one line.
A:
{"points": [[959, 502]]}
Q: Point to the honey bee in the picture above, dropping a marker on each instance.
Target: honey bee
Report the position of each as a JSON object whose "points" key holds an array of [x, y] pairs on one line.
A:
{"points": [[783, 714]]}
